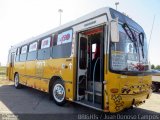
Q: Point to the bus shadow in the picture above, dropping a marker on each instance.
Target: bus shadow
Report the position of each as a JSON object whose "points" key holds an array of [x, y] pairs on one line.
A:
{"points": [[158, 93], [31, 101]]}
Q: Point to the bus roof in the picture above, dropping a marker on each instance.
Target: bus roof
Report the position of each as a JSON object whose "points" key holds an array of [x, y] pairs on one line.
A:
{"points": [[69, 24]]}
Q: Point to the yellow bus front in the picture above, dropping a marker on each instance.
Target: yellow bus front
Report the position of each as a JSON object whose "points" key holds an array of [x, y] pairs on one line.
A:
{"points": [[127, 77]]}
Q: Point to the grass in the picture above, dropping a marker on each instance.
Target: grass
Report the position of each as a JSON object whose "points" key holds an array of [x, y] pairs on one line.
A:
{"points": [[3, 72], [3, 78]]}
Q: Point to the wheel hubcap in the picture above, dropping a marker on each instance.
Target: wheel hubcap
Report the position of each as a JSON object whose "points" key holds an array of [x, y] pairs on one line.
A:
{"points": [[16, 81], [59, 92]]}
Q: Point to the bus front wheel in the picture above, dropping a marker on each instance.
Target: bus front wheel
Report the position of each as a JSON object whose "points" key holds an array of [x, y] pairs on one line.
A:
{"points": [[16, 82], [58, 92]]}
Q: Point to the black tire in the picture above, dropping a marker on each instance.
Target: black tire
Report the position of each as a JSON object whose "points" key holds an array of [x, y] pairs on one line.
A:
{"points": [[155, 87], [58, 86], [17, 85]]}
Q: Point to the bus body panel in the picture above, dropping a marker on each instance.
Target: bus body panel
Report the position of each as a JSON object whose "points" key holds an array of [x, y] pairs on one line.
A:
{"points": [[64, 69], [30, 73], [20, 68], [119, 91]]}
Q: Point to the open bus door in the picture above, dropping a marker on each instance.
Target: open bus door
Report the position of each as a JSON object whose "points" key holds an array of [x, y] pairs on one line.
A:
{"points": [[90, 75], [82, 65]]}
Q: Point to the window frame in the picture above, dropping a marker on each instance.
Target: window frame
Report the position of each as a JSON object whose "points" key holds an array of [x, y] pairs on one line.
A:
{"points": [[55, 40], [32, 52], [61, 33], [50, 37], [22, 48], [17, 56], [30, 45], [41, 50], [23, 54]]}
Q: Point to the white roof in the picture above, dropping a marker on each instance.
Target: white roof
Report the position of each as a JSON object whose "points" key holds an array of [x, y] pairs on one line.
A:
{"points": [[72, 23]]}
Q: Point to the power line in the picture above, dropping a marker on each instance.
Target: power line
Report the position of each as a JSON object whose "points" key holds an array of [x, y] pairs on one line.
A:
{"points": [[151, 34]]}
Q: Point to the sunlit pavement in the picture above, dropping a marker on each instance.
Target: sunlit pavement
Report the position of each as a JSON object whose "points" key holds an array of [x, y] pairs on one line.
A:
{"points": [[153, 103], [30, 101]]}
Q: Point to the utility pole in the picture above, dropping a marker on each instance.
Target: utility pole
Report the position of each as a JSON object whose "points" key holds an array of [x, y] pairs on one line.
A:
{"points": [[116, 3], [150, 38], [60, 12]]}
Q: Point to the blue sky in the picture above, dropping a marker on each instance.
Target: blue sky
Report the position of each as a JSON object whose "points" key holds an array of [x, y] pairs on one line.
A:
{"points": [[23, 19]]}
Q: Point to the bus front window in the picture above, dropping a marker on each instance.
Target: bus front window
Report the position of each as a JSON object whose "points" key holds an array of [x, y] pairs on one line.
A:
{"points": [[127, 55]]}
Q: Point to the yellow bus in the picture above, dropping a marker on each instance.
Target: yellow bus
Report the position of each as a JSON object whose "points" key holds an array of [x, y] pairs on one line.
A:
{"points": [[98, 60]]}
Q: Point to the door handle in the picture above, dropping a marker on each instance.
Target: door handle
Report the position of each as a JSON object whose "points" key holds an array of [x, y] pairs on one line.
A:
{"points": [[64, 66]]}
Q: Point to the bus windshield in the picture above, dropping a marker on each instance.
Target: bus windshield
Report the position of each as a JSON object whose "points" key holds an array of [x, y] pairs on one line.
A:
{"points": [[128, 55]]}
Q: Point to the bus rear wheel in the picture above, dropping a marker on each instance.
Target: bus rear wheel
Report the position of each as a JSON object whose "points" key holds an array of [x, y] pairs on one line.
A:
{"points": [[155, 87], [16, 82], [58, 92]]}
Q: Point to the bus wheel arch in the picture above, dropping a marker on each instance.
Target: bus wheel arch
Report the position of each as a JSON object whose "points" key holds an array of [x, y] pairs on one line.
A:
{"points": [[15, 74], [57, 81], [51, 82]]}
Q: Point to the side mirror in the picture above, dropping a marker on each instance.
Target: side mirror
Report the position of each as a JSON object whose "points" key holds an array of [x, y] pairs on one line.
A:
{"points": [[114, 30]]}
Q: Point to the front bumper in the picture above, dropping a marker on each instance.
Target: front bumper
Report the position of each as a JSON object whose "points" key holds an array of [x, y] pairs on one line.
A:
{"points": [[119, 102]]}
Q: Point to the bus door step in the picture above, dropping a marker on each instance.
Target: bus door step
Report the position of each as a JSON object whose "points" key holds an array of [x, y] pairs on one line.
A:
{"points": [[97, 97]]}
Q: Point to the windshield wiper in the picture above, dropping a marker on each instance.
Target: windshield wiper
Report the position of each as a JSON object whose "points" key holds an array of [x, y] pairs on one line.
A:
{"points": [[141, 40], [131, 36]]}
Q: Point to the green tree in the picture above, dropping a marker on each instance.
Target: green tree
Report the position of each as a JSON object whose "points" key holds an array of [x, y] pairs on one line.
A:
{"points": [[152, 66], [158, 67]]}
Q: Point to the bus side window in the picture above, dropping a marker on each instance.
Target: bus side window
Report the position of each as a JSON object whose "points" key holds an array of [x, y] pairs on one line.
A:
{"points": [[23, 54], [62, 45], [12, 59], [54, 39], [32, 53], [17, 54], [44, 51]]}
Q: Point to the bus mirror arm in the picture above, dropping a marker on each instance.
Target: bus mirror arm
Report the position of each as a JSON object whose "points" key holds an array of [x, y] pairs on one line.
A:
{"points": [[114, 30]]}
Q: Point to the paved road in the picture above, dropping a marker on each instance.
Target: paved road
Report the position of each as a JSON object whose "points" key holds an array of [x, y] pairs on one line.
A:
{"points": [[31, 101]]}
